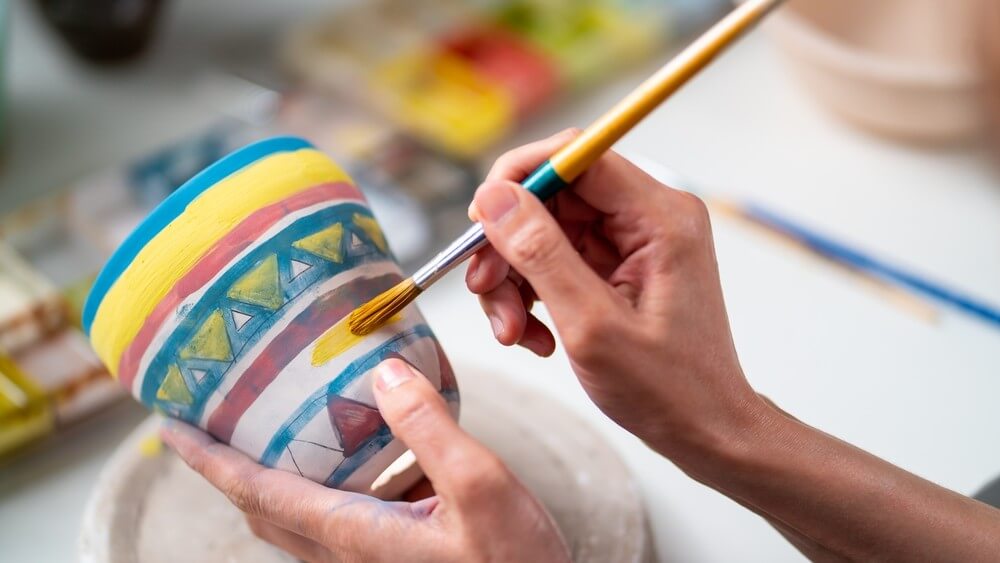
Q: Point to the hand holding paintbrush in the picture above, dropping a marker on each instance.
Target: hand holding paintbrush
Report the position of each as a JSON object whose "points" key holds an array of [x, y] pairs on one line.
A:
{"points": [[573, 159]]}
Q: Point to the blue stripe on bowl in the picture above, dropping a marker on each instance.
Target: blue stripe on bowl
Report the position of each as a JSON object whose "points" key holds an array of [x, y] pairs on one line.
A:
{"points": [[175, 204]]}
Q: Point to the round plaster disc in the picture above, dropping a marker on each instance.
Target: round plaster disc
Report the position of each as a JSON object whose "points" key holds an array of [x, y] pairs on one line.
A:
{"points": [[149, 507]]}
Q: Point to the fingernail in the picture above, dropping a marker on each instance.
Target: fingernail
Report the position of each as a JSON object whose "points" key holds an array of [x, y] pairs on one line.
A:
{"points": [[497, 323], [494, 200], [390, 375]]}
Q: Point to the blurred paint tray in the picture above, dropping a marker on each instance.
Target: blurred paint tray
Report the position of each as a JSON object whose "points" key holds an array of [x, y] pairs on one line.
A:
{"points": [[465, 81], [25, 415], [51, 385], [68, 371], [49, 376], [588, 40], [30, 305]]}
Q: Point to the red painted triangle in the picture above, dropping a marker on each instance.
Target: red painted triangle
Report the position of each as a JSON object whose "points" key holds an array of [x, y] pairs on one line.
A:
{"points": [[448, 382], [356, 422]]}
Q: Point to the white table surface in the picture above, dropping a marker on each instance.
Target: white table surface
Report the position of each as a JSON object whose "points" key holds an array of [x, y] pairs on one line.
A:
{"points": [[826, 348]]}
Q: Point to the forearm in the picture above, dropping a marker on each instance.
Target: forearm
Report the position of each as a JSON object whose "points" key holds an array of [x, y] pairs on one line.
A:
{"points": [[839, 501]]}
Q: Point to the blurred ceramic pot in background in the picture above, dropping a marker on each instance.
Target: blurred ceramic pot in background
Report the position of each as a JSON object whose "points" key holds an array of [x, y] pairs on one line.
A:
{"points": [[227, 308], [103, 30], [989, 59], [903, 68]]}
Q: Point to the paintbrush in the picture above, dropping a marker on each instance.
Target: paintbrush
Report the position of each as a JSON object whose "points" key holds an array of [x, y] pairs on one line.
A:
{"points": [[572, 160], [869, 264], [890, 293]]}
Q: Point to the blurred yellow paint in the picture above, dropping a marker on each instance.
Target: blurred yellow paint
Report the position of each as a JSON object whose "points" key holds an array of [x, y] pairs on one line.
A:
{"points": [[151, 446], [443, 99]]}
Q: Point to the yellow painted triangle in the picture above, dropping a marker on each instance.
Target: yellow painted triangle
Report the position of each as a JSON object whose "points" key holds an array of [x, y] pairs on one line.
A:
{"points": [[174, 389], [260, 286], [370, 226], [325, 244], [211, 342]]}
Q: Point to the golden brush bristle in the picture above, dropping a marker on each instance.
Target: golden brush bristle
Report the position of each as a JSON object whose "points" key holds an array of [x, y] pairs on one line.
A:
{"points": [[367, 318]]}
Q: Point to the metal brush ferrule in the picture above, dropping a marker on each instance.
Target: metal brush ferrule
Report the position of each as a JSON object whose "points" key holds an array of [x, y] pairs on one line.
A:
{"points": [[457, 252]]}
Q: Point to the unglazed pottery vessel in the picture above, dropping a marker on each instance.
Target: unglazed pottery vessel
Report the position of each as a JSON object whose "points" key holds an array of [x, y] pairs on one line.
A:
{"points": [[227, 308], [901, 68]]}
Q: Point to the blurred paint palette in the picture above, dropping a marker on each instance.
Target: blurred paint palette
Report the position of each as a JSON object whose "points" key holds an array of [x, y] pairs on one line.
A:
{"points": [[30, 305], [49, 376], [585, 41], [461, 76]]}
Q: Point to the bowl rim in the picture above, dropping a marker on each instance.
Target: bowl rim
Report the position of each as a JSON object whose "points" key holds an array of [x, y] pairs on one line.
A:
{"points": [[816, 43], [172, 207]]}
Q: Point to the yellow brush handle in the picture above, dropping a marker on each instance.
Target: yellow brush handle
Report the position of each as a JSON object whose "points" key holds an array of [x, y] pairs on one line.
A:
{"points": [[575, 157]]}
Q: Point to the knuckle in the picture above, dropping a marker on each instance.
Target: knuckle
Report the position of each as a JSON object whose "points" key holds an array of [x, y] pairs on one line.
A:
{"points": [[534, 247], [581, 338], [244, 491], [508, 160], [413, 410], [482, 476], [692, 223]]}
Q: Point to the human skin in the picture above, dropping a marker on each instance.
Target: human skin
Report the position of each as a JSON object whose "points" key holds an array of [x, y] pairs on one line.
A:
{"points": [[480, 511], [627, 271], [626, 268]]}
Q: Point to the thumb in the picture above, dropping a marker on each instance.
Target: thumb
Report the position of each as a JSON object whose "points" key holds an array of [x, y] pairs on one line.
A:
{"points": [[418, 415], [523, 231]]}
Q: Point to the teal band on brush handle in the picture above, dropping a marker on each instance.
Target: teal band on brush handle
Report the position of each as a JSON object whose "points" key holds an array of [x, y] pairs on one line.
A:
{"points": [[544, 182]]}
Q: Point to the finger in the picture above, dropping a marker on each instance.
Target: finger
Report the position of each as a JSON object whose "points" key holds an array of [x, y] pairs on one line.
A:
{"points": [[528, 297], [568, 206], [525, 234], [487, 270], [456, 464], [613, 185], [505, 310], [288, 500], [422, 490], [538, 338], [599, 253], [298, 546], [516, 164]]}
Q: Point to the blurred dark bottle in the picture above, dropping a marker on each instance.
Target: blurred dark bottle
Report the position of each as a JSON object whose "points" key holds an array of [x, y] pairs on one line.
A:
{"points": [[103, 31]]}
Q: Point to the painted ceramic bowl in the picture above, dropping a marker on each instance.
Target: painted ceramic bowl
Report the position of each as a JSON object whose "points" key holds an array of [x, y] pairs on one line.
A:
{"points": [[227, 307]]}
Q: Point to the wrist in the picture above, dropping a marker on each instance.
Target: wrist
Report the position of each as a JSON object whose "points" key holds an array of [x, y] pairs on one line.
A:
{"points": [[714, 451]]}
